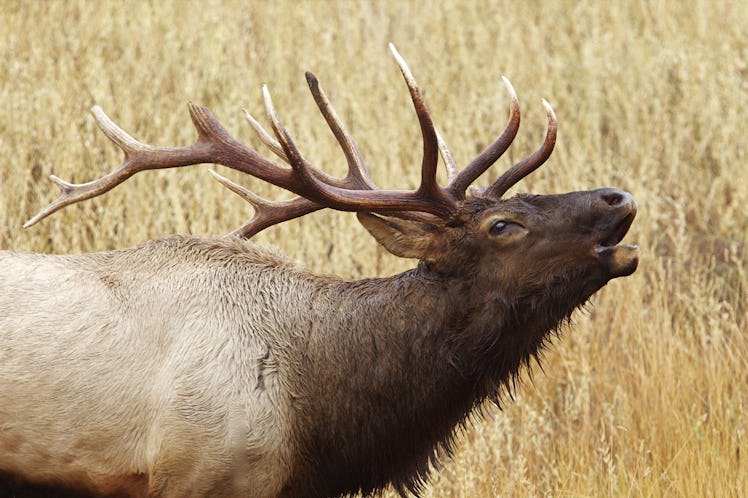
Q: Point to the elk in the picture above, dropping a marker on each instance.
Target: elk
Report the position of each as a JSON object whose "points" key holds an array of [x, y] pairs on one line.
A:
{"points": [[214, 367]]}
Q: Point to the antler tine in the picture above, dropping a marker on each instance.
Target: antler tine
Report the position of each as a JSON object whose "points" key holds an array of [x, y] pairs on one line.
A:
{"points": [[449, 161], [430, 141], [427, 198], [277, 149], [357, 172], [304, 172], [265, 137], [530, 163], [213, 145], [488, 157], [134, 152], [64, 199], [267, 213]]}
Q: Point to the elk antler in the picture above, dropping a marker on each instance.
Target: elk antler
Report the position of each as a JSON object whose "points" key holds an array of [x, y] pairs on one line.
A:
{"points": [[316, 189], [530, 163], [461, 181]]}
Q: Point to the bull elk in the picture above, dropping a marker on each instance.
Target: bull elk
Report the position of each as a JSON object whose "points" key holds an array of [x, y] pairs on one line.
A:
{"points": [[213, 367]]}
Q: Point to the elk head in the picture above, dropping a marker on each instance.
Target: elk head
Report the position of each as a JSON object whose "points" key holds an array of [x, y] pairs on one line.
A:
{"points": [[521, 243]]}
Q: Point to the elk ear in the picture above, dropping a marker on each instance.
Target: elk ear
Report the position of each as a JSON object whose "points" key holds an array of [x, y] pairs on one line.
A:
{"points": [[404, 238]]}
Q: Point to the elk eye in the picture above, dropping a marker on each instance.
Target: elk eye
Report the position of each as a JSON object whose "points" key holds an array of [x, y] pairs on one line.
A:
{"points": [[498, 227]]}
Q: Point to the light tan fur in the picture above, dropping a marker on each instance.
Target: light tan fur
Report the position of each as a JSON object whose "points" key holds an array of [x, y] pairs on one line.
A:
{"points": [[100, 381]]}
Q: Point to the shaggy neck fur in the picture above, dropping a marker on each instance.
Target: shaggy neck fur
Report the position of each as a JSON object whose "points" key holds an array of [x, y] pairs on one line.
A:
{"points": [[408, 360]]}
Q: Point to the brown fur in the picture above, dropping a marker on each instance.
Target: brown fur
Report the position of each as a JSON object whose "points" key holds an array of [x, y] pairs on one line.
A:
{"points": [[217, 368]]}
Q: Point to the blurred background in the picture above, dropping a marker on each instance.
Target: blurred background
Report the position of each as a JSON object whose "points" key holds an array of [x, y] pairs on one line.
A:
{"points": [[647, 395]]}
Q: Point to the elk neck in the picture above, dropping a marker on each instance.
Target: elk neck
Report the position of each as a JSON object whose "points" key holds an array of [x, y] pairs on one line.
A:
{"points": [[403, 363]]}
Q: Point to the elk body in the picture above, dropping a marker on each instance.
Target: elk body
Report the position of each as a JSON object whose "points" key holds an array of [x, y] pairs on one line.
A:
{"points": [[214, 367]]}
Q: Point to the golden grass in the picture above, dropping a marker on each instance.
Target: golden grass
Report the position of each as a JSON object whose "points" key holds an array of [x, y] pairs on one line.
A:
{"points": [[647, 395]]}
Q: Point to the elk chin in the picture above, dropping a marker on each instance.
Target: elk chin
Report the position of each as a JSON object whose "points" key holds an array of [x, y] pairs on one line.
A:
{"points": [[618, 261]]}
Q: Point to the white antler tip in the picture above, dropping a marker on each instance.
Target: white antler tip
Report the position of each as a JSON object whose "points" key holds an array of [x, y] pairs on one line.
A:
{"points": [[99, 114], [510, 88], [249, 116], [549, 109], [242, 192], [405, 70], [508, 84], [399, 59], [102, 119], [268, 99], [59, 182]]}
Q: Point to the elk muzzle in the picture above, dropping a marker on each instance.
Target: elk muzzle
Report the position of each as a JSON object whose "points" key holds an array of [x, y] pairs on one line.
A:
{"points": [[620, 210]]}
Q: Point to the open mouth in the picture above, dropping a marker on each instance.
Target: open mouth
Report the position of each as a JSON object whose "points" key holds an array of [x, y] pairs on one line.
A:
{"points": [[619, 231], [619, 260]]}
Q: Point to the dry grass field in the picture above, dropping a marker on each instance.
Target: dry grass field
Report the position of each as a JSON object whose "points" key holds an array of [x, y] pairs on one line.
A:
{"points": [[647, 395]]}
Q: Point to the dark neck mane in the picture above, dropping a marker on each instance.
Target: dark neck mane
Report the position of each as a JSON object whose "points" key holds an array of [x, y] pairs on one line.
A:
{"points": [[416, 355]]}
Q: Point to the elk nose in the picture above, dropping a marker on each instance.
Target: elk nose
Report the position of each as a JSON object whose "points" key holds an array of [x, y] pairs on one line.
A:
{"points": [[617, 198]]}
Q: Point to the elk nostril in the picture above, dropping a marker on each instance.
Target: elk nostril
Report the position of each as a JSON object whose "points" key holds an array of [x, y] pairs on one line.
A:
{"points": [[613, 198]]}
